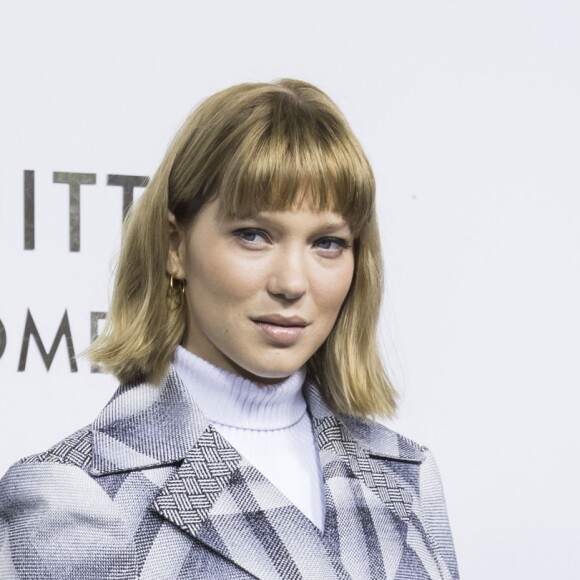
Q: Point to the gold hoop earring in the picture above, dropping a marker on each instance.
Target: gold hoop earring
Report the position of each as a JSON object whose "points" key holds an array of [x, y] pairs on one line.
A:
{"points": [[176, 291], [173, 284]]}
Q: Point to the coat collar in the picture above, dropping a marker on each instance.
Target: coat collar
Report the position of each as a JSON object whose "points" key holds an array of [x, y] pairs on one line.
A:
{"points": [[356, 443], [148, 425], [374, 438]]}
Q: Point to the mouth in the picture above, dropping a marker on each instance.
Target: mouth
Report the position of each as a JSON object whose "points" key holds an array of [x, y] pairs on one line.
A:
{"points": [[279, 320], [283, 330]]}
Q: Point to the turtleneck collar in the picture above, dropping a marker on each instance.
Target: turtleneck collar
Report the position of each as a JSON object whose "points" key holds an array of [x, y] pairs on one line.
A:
{"points": [[229, 399]]}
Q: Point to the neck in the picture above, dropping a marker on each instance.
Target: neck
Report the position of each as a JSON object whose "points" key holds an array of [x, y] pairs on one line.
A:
{"points": [[236, 401]]}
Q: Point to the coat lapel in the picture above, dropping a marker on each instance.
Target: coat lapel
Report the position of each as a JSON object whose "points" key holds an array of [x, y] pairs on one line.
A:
{"points": [[189, 495], [333, 437], [358, 445]]}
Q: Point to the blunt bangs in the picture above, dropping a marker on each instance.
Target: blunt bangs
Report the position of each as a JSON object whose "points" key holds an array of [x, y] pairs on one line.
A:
{"points": [[296, 157]]}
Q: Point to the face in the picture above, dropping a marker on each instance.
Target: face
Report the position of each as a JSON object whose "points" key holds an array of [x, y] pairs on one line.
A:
{"points": [[263, 293]]}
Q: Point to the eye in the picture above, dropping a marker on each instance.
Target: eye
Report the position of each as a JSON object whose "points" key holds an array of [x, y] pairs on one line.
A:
{"points": [[331, 245], [252, 236]]}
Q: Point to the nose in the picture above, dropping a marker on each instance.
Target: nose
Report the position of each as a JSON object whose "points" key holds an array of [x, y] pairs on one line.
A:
{"points": [[288, 278]]}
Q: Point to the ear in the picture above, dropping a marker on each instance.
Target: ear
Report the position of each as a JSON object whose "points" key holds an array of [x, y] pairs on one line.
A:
{"points": [[175, 265]]}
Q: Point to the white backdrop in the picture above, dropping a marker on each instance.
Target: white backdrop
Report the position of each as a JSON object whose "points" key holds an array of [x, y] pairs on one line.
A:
{"points": [[469, 113]]}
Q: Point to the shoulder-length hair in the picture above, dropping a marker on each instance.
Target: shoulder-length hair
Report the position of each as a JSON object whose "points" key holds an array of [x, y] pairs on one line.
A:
{"points": [[253, 147]]}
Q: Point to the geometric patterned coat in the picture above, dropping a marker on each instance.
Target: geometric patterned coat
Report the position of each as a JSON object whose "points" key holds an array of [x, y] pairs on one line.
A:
{"points": [[151, 491]]}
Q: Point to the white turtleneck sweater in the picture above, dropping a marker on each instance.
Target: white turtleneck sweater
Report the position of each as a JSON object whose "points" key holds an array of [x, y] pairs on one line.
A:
{"points": [[267, 424]]}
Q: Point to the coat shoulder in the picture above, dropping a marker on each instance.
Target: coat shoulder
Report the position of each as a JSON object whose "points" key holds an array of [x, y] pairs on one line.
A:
{"points": [[74, 450], [57, 521]]}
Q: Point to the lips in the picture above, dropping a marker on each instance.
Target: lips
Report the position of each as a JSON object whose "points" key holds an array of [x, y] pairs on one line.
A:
{"points": [[283, 330], [280, 320]]}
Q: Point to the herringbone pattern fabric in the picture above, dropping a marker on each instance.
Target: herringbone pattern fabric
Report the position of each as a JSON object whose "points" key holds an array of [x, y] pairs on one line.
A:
{"points": [[332, 436], [190, 493], [74, 450]]}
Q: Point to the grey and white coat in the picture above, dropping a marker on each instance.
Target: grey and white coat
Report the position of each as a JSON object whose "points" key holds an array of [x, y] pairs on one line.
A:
{"points": [[151, 490]]}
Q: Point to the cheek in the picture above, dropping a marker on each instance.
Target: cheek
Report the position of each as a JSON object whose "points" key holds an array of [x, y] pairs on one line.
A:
{"points": [[332, 289], [219, 279]]}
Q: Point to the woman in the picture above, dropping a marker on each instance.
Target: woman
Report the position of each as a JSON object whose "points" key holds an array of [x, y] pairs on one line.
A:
{"points": [[243, 332]]}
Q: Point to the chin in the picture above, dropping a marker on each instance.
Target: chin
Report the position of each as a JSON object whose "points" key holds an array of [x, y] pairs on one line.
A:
{"points": [[268, 376], [267, 373]]}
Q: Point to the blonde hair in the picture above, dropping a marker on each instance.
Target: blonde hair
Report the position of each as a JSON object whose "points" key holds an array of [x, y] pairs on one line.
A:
{"points": [[253, 147]]}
